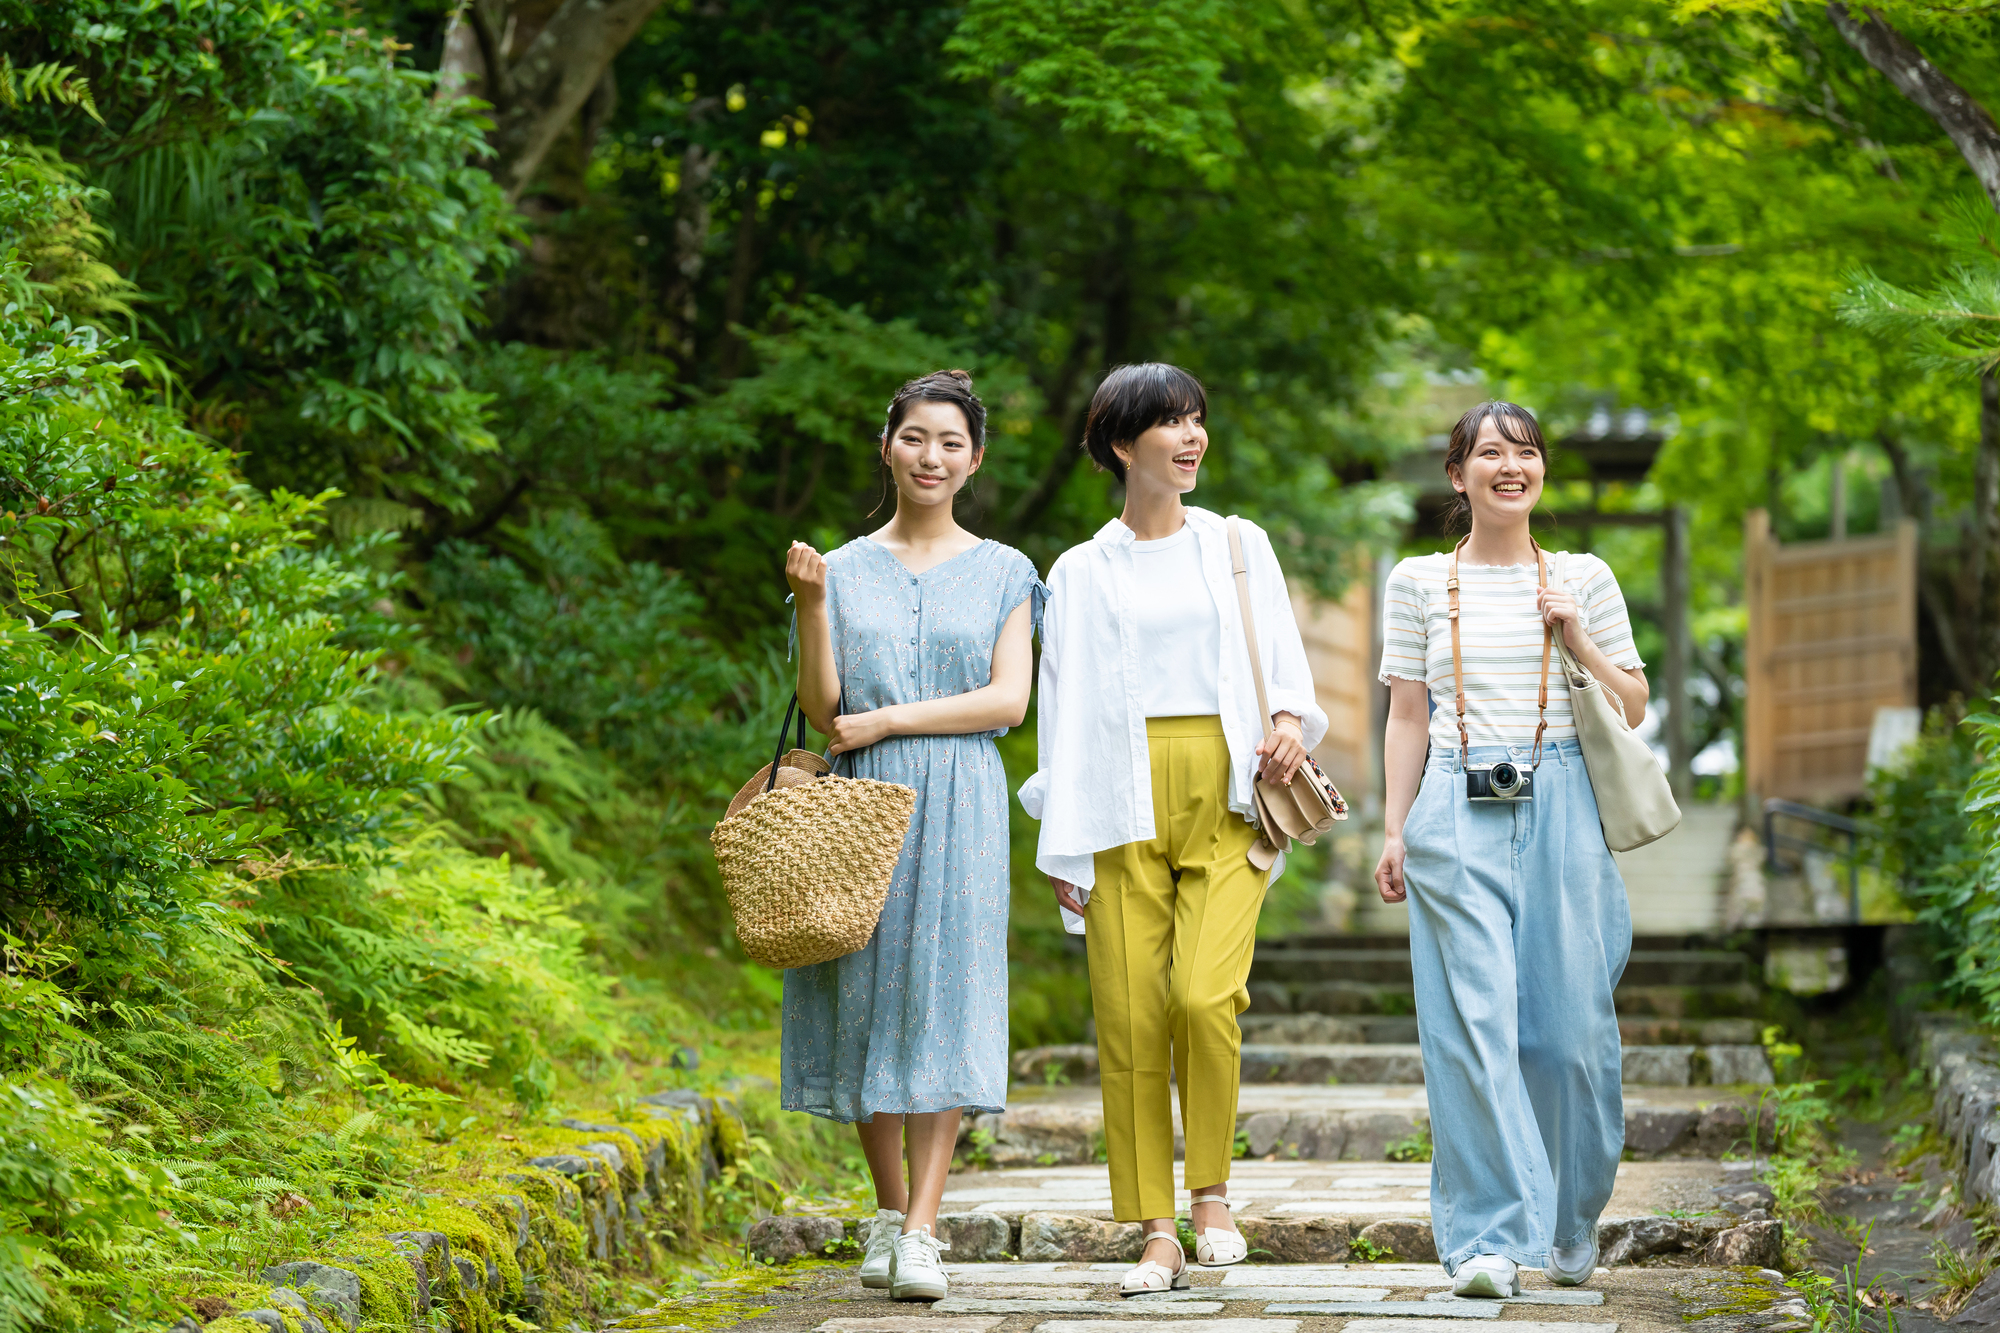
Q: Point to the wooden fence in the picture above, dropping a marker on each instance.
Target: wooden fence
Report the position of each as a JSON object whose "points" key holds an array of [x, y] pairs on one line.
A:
{"points": [[1832, 638]]}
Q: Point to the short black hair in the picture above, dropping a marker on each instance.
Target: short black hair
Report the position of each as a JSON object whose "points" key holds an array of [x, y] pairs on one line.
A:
{"points": [[1131, 401], [940, 386]]}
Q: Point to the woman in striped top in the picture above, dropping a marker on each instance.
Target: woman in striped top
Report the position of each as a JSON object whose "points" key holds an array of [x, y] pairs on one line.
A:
{"points": [[1519, 927]]}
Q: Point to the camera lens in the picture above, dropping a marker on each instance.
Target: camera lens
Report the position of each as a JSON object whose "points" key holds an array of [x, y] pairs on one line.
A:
{"points": [[1506, 779]]}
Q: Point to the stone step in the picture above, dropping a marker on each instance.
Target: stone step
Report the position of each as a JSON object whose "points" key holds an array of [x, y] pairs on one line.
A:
{"points": [[1311, 1029], [1687, 1002], [1058, 1126], [1646, 967], [1373, 1063], [1398, 1000], [1401, 943]]}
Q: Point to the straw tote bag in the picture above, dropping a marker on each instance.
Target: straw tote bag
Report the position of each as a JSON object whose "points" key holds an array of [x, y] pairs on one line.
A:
{"points": [[1307, 807], [1634, 802], [806, 855]]}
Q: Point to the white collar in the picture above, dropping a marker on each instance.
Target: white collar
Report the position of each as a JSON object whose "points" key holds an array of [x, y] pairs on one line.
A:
{"points": [[1115, 533]]}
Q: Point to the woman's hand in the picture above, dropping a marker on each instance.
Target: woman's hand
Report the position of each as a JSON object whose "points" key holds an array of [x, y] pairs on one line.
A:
{"points": [[805, 570], [858, 731], [1559, 608], [1389, 871], [1066, 894], [1283, 750]]}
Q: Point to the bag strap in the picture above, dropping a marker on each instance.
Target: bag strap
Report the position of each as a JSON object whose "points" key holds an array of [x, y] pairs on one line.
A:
{"points": [[1458, 665], [771, 784], [1241, 568]]}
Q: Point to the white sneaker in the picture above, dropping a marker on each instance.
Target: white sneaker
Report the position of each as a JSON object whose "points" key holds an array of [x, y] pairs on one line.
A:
{"points": [[1572, 1265], [881, 1244], [914, 1271], [1492, 1275]]}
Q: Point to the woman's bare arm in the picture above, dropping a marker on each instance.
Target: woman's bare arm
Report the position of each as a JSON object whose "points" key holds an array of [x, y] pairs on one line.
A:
{"points": [[1405, 743], [819, 678]]}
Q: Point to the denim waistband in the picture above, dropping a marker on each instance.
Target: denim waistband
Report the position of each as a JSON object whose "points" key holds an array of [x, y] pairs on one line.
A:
{"points": [[1564, 752]]}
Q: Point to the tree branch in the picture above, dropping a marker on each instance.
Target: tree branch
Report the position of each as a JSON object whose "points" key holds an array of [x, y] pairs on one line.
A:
{"points": [[554, 77], [1968, 123], [489, 53]]}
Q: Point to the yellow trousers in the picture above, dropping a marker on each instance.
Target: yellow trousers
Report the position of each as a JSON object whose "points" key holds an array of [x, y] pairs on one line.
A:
{"points": [[1172, 924]]}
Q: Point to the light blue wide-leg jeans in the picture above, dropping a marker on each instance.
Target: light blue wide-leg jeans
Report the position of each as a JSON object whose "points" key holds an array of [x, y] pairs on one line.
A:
{"points": [[1519, 931]]}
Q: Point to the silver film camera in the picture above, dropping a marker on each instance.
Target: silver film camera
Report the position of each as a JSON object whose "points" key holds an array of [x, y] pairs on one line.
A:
{"points": [[1499, 782]]}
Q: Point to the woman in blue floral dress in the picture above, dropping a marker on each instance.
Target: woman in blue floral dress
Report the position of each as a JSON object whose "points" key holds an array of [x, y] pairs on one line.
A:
{"points": [[914, 653]]}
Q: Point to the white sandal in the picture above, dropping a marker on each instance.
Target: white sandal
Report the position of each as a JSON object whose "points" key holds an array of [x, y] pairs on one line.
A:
{"points": [[1213, 1246], [1153, 1275]]}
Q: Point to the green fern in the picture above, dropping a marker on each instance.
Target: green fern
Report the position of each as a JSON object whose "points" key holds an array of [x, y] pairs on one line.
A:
{"points": [[56, 84]]}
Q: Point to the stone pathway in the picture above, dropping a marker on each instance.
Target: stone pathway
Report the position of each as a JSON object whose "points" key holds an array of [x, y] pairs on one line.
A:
{"points": [[1252, 1298]]}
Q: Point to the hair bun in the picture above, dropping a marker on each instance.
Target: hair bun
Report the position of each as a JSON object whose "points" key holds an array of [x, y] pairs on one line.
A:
{"points": [[962, 376]]}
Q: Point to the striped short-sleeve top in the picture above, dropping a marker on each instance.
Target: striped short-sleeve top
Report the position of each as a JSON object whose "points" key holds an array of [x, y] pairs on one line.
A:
{"points": [[1501, 642]]}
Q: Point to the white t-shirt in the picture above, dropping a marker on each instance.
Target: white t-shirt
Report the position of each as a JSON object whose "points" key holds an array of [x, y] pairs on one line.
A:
{"points": [[1178, 628], [1500, 636]]}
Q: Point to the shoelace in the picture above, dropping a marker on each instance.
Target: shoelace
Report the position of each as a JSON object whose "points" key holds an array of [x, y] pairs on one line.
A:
{"points": [[936, 1246]]}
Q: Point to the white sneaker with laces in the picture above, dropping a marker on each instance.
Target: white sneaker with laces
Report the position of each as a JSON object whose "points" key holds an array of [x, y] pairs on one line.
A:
{"points": [[1572, 1265], [1492, 1275], [881, 1244], [914, 1271]]}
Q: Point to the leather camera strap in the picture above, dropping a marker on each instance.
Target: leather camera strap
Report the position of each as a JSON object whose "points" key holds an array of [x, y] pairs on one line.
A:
{"points": [[1458, 664]]}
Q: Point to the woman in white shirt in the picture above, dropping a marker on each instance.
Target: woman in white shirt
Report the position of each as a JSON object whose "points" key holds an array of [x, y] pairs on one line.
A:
{"points": [[1150, 745], [1519, 927]]}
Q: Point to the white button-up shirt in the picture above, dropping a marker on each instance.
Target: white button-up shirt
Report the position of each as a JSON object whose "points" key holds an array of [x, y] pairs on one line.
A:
{"points": [[1094, 789]]}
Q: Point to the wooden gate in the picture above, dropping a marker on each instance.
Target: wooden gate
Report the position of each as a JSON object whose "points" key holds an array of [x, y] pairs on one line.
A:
{"points": [[1832, 638]]}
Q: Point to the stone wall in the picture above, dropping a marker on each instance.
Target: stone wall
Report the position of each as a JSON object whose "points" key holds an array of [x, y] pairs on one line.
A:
{"points": [[525, 1230], [1964, 1069]]}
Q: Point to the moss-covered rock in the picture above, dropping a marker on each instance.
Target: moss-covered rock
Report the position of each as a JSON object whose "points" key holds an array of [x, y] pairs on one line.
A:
{"points": [[534, 1223]]}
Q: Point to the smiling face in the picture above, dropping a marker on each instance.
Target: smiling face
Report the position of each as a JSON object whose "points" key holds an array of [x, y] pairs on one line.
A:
{"points": [[930, 453], [1501, 478], [1166, 457]]}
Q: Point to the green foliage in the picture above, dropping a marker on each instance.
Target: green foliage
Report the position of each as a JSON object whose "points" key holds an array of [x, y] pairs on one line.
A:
{"points": [[1937, 815], [55, 84], [1364, 1251], [1950, 326], [1412, 1147], [1159, 75]]}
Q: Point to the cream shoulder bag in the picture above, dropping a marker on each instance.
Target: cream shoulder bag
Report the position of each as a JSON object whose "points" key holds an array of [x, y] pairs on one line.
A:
{"points": [[1634, 802]]}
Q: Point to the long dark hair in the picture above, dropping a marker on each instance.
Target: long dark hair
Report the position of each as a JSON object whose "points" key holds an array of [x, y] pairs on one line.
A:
{"points": [[1513, 421]]}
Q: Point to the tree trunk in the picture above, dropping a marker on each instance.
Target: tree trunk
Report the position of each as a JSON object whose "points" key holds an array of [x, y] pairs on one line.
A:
{"points": [[1960, 115], [1985, 533], [736, 297], [690, 247], [1944, 614], [534, 98]]}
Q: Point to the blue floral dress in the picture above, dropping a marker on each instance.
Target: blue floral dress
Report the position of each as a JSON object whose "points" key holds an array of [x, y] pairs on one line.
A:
{"points": [[917, 1020]]}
